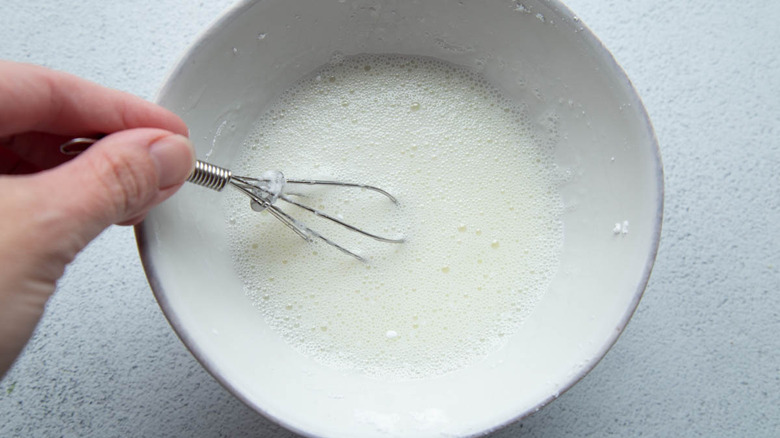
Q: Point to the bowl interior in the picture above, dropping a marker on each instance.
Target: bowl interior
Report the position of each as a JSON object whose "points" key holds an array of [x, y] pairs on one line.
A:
{"points": [[535, 52]]}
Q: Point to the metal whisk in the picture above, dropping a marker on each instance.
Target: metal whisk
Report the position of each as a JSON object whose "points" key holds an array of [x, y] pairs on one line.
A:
{"points": [[270, 187], [263, 193]]}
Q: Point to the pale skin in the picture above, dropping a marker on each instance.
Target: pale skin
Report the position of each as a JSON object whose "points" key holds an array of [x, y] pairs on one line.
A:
{"points": [[52, 206]]}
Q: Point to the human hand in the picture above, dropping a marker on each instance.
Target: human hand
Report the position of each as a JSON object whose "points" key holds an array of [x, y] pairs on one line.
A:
{"points": [[49, 216]]}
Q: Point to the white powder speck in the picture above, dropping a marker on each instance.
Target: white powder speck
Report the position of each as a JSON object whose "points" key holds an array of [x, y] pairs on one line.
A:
{"points": [[620, 228]]}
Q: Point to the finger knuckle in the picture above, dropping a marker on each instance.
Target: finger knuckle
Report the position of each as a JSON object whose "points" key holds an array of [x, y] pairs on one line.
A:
{"points": [[126, 182]]}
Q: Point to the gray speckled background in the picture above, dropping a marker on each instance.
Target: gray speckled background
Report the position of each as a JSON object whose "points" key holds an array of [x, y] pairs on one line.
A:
{"points": [[701, 356]]}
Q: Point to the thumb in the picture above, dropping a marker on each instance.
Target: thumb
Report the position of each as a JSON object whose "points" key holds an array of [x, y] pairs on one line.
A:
{"points": [[117, 180]]}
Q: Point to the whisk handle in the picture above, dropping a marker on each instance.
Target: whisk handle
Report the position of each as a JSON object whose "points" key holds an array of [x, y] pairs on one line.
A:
{"points": [[210, 176]]}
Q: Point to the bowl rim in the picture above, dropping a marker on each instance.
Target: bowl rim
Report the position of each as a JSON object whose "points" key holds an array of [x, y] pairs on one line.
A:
{"points": [[599, 49]]}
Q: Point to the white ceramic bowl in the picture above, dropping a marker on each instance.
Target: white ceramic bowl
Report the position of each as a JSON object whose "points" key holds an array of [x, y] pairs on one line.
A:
{"points": [[536, 51]]}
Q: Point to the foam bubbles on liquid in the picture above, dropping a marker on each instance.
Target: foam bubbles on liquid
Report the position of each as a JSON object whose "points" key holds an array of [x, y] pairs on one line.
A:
{"points": [[480, 209]]}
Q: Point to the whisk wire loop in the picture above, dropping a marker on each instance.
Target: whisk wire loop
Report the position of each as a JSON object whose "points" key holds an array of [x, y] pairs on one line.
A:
{"points": [[264, 192]]}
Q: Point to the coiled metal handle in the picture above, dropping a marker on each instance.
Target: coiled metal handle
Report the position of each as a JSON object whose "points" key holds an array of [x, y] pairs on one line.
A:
{"points": [[205, 174], [210, 176]]}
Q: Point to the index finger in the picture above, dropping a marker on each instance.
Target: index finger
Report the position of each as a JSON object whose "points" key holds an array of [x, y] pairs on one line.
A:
{"points": [[34, 98]]}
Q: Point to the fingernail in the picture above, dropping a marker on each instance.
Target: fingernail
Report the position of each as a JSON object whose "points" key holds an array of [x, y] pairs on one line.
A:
{"points": [[174, 157]]}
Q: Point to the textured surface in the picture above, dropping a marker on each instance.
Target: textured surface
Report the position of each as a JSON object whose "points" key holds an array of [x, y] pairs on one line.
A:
{"points": [[701, 356]]}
